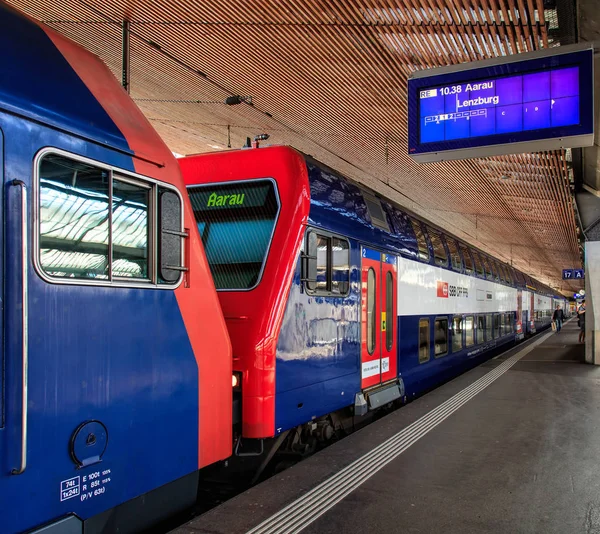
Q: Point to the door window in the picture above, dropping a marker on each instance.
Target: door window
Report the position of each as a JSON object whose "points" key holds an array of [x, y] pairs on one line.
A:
{"points": [[389, 310], [469, 331], [423, 340], [371, 315], [480, 328], [457, 341], [489, 325]]}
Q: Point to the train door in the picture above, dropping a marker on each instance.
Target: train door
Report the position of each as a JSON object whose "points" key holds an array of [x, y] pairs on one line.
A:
{"points": [[532, 313], [379, 362], [519, 325]]}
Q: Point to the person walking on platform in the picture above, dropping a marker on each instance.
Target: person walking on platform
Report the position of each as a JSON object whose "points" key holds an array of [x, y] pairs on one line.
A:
{"points": [[558, 317], [581, 322]]}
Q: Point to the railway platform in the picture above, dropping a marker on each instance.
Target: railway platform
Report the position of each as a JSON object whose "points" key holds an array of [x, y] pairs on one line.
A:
{"points": [[510, 446]]}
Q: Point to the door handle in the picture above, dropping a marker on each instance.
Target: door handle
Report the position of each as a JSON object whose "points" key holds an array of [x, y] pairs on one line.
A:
{"points": [[24, 319]]}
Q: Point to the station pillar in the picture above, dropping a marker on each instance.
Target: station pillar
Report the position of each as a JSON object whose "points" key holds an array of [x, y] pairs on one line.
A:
{"points": [[592, 301]]}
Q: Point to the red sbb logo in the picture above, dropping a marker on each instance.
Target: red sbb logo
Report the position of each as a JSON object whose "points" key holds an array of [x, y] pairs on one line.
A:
{"points": [[442, 290]]}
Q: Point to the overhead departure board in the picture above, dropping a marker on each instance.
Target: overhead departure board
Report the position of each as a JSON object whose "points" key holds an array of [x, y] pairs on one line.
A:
{"points": [[522, 103]]}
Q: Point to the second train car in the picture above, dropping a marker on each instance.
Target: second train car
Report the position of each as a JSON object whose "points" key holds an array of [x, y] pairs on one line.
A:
{"points": [[337, 300]]}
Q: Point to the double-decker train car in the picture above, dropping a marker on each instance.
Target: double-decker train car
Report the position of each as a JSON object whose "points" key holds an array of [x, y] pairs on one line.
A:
{"points": [[337, 300], [115, 363]]}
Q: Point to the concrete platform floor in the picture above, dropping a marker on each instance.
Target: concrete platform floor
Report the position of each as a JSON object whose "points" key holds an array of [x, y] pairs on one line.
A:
{"points": [[522, 455]]}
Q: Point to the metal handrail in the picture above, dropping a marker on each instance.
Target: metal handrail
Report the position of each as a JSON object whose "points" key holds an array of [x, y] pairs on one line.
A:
{"points": [[24, 318]]}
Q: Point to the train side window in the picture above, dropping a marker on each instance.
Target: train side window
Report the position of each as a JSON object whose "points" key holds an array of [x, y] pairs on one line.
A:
{"points": [[480, 329], [389, 309], [440, 337], [423, 340], [509, 275], [469, 267], [495, 270], [489, 325], [421, 240], [478, 264], [371, 314], [486, 266], [509, 323], [378, 216], [326, 267], [457, 340], [340, 276], [439, 251], [454, 254], [496, 325], [322, 262], [469, 331]]}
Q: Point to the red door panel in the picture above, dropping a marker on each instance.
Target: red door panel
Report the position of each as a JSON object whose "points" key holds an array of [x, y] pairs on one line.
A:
{"points": [[379, 361], [389, 359]]}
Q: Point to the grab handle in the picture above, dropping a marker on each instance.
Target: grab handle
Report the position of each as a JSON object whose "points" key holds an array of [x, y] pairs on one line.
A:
{"points": [[24, 319]]}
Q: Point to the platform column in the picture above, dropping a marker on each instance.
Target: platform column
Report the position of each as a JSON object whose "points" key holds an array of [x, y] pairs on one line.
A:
{"points": [[592, 294]]}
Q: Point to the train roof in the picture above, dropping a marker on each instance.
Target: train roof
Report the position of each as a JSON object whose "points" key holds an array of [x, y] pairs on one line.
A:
{"points": [[50, 79]]}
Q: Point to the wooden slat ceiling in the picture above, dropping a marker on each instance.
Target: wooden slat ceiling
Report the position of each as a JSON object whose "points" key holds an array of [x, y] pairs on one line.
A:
{"points": [[329, 78]]}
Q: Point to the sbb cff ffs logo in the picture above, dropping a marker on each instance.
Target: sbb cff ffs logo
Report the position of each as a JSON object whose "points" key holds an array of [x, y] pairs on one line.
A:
{"points": [[444, 290]]}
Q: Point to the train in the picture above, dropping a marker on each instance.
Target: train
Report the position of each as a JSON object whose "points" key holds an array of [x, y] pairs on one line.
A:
{"points": [[161, 317], [115, 366], [337, 300]]}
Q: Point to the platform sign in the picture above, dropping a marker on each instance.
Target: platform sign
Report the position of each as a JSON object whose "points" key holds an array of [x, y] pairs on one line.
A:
{"points": [[522, 103], [573, 274]]}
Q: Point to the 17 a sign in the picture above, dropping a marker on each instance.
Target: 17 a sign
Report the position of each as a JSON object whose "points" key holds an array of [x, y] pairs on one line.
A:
{"points": [[573, 274]]}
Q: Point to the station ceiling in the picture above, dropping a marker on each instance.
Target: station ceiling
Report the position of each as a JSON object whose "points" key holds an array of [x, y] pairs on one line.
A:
{"points": [[328, 77]]}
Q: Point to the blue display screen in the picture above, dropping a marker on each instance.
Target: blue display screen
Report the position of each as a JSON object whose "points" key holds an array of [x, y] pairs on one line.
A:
{"points": [[502, 105], [495, 105]]}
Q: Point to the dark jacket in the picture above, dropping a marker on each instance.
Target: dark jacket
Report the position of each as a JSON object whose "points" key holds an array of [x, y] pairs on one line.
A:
{"points": [[558, 315]]}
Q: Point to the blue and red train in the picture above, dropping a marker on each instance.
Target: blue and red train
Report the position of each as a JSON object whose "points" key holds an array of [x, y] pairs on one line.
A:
{"points": [[115, 367], [118, 379], [338, 301]]}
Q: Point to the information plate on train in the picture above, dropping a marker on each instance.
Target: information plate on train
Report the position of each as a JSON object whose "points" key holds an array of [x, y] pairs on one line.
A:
{"points": [[522, 103]]}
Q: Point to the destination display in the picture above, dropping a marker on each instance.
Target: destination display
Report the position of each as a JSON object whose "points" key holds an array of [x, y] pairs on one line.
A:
{"points": [[502, 106], [248, 195]]}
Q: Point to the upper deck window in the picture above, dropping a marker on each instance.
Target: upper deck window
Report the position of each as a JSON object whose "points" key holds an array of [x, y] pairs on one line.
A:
{"points": [[478, 264], [469, 267], [439, 252], [454, 255], [421, 240], [236, 221]]}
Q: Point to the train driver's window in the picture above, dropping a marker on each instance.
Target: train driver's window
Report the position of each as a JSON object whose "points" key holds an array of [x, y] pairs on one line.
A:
{"points": [[478, 264], [489, 324], [131, 204], [469, 331], [98, 225], [439, 251], [421, 240], [423, 340], [440, 337], [469, 268], [457, 340], [480, 328], [74, 219], [454, 254]]}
